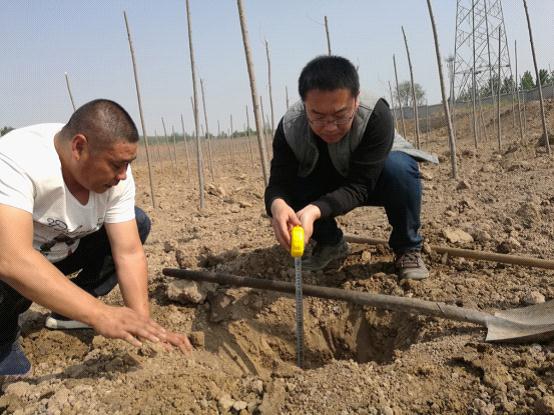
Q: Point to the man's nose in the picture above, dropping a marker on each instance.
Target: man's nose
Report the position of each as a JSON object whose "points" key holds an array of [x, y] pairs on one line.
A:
{"points": [[330, 126]]}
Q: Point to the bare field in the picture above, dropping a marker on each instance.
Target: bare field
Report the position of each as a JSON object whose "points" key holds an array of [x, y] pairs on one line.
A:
{"points": [[359, 360]]}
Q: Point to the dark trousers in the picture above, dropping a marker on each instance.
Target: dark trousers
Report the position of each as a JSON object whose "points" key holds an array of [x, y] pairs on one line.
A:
{"points": [[93, 257], [398, 190]]}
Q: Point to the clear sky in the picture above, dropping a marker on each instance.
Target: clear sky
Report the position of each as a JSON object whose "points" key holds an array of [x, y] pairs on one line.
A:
{"points": [[40, 40]]}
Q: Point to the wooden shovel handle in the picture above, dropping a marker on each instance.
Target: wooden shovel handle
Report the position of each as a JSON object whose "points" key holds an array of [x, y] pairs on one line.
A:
{"points": [[468, 253], [387, 302]]}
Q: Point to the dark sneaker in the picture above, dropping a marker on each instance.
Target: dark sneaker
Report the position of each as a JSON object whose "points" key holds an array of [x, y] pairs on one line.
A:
{"points": [[13, 362], [322, 255], [58, 322], [410, 266]]}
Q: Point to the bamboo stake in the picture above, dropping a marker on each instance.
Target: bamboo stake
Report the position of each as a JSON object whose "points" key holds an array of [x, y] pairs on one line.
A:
{"points": [[166, 139], [545, 131], [160, 161], [137, 87], [327, 35], [398, 97], [518, 97], [428, 124], [524, 93], [231, 141], [473, 78], [69, 91], [414, 97], [195, 109], [499, 80], [395, 117], [269, 84], [248, 135], [187, 158], [210, 154], [174, 145], [483, 124], [452, 140], [255, 104], [287, 97], [264, 130]]}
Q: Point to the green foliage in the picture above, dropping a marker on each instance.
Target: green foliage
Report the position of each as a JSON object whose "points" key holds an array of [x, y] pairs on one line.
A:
{"points": [[404, 94], [527, 81], [544, 76], [5, 130]]}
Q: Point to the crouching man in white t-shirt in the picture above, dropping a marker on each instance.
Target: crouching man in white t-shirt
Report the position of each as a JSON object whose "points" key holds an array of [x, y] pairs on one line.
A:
{"points": [[67, 203]]}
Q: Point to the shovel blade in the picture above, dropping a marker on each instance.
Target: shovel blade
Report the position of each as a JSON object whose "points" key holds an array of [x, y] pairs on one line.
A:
{"points": [[538, 314], [522, 325]]}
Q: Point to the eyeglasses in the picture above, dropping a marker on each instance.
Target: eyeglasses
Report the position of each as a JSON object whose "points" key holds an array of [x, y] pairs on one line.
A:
{"points": [[322, 122]]}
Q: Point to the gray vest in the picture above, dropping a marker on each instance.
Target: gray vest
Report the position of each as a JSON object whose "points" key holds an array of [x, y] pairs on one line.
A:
{"points": [[301, 140]]}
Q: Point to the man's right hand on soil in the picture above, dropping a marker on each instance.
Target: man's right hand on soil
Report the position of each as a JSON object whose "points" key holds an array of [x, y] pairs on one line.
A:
{"points": [[283, 219], [126, 324]]}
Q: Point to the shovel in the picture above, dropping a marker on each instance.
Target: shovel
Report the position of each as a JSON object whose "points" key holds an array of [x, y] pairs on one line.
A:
{"points": [[519, 325]]}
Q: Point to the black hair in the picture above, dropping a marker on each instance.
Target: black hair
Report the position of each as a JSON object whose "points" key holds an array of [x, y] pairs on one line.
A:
{"points": [[103, 122], [328, 73]]}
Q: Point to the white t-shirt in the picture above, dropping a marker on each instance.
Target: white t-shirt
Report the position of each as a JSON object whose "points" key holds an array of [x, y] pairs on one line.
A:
{"points": [[31, 180]]}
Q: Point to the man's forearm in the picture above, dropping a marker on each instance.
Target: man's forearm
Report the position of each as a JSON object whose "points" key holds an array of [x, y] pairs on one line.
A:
{"points": [[132, 275], [30, 274]]}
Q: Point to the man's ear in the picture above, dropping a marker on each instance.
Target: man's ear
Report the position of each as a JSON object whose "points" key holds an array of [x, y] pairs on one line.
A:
{"points": [[357, 100], [79, 145]]}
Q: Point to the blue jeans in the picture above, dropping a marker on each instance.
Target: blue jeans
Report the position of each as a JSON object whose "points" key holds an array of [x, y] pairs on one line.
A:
{"points": [[93, 257], [398, 190]]}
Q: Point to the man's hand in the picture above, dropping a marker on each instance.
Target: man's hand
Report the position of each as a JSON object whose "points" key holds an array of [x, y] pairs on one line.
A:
{"points": [[308, 215], [283, 220], [126, 324]]}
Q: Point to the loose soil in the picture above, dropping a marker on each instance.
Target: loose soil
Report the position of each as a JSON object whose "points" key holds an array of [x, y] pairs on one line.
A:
{"points": [[359, 360]]}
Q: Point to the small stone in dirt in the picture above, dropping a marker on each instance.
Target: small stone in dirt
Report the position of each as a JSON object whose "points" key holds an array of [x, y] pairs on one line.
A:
{"points": [[184, 261], [545, 405], [245, 204], [168, 246], [532, 298], [187, 292], [487, 168], [219, 302], [209, 259], [366, 256], [19, 389], [463, 185], [239, 405], [198, 339], [425, 175], [149, 349], [481, 235], [257, 386], [529, 212], [427, 248], [483, 408], [224, 403], [455, 235]]}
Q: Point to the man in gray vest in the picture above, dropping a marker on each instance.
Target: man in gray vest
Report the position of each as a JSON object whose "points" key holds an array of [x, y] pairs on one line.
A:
{"points": [[333, 152]]}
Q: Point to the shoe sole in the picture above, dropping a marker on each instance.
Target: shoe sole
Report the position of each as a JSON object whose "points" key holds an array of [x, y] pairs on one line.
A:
{"points": [[55, 324]]}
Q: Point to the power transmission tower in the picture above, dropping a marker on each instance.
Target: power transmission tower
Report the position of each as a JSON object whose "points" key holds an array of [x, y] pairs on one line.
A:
{"points": [[476, 50]]}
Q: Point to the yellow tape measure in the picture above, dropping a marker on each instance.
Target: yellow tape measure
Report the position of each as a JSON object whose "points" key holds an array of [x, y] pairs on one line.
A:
{"points": [[297, 242]]}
